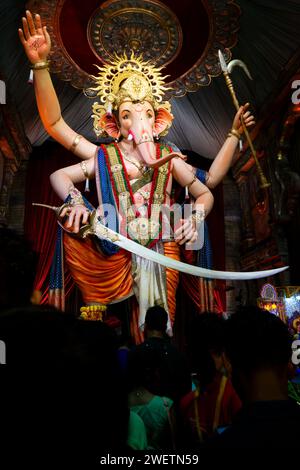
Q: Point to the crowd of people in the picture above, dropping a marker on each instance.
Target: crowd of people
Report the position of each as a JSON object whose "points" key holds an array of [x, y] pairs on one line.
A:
{"points": [[228, 390]]}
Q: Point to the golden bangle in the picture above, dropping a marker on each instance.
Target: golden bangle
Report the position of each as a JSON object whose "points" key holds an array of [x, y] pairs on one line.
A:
{"points": [[55, 122], [75, 142], [192, 182], [40, 65], [84, 169], [198, 216], [234, 133], [76, 198]]}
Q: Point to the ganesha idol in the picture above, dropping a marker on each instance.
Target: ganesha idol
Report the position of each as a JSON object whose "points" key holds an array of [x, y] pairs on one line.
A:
{"points": [[125, 249]]}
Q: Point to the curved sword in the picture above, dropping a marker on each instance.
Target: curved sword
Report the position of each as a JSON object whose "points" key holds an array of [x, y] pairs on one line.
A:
{"points": [[108, 234], [97, 228]]}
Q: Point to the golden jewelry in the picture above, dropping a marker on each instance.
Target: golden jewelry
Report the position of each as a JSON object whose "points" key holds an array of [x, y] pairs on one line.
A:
{"points": [[40, 65], [198, 216], [192, 182], [145, 139], [76, 198], [144, 194], [86, 174], [84, 169], [138, 165], [234, 133], [55, 122], [75, 143]]}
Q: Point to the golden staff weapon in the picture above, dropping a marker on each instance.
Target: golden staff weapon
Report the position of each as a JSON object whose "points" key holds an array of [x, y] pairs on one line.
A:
{"points": [[227, 69]]}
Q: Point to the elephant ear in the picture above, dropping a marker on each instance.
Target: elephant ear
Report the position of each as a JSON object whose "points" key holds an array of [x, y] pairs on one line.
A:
{"points": [[163, 121], [109, 124]]}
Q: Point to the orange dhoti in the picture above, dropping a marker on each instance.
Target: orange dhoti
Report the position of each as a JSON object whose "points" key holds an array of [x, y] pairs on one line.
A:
{"points": [[106, 279]]}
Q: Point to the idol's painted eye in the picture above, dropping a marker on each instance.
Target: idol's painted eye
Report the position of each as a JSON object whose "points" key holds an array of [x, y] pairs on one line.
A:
{"points": [[149, 114], [125, 114]]}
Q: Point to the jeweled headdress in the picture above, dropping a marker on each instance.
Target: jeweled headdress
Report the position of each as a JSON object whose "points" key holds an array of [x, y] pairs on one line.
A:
{"points": [[127, 78]]}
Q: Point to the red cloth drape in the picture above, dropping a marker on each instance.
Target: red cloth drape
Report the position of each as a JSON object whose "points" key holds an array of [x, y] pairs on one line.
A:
{"points": [[40, 225]]}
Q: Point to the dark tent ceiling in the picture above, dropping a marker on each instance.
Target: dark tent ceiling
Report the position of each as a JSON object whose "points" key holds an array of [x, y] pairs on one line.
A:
{"points": [[268, 38]]}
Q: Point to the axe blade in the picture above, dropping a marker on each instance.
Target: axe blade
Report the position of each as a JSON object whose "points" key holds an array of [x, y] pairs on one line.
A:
{"points": [[238, 63]]}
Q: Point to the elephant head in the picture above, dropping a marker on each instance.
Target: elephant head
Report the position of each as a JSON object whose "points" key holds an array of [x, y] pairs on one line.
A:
{"points": [[139, 122]]}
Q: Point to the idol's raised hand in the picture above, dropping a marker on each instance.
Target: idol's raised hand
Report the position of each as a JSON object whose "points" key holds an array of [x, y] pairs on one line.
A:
{"points": [[35, 38], [247, 117]]}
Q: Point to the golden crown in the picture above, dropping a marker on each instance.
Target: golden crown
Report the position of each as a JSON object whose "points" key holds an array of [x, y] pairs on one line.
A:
{"points": [[127, 78]]}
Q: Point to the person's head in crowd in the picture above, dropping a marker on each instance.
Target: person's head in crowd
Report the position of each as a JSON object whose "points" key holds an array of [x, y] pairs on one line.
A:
{"points": [[35, 336], [17, 270], [206, 346], [91, 353], [172, 377], [258, 345], [72, 386], [92, 344], [144, 369], [156, 320], [42, 335]]}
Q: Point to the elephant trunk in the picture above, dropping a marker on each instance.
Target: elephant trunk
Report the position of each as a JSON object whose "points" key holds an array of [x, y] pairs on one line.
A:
{"points": [[147, 150]]}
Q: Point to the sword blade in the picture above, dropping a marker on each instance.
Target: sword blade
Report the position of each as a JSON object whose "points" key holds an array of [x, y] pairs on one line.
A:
{"points": [[136, 248]]}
